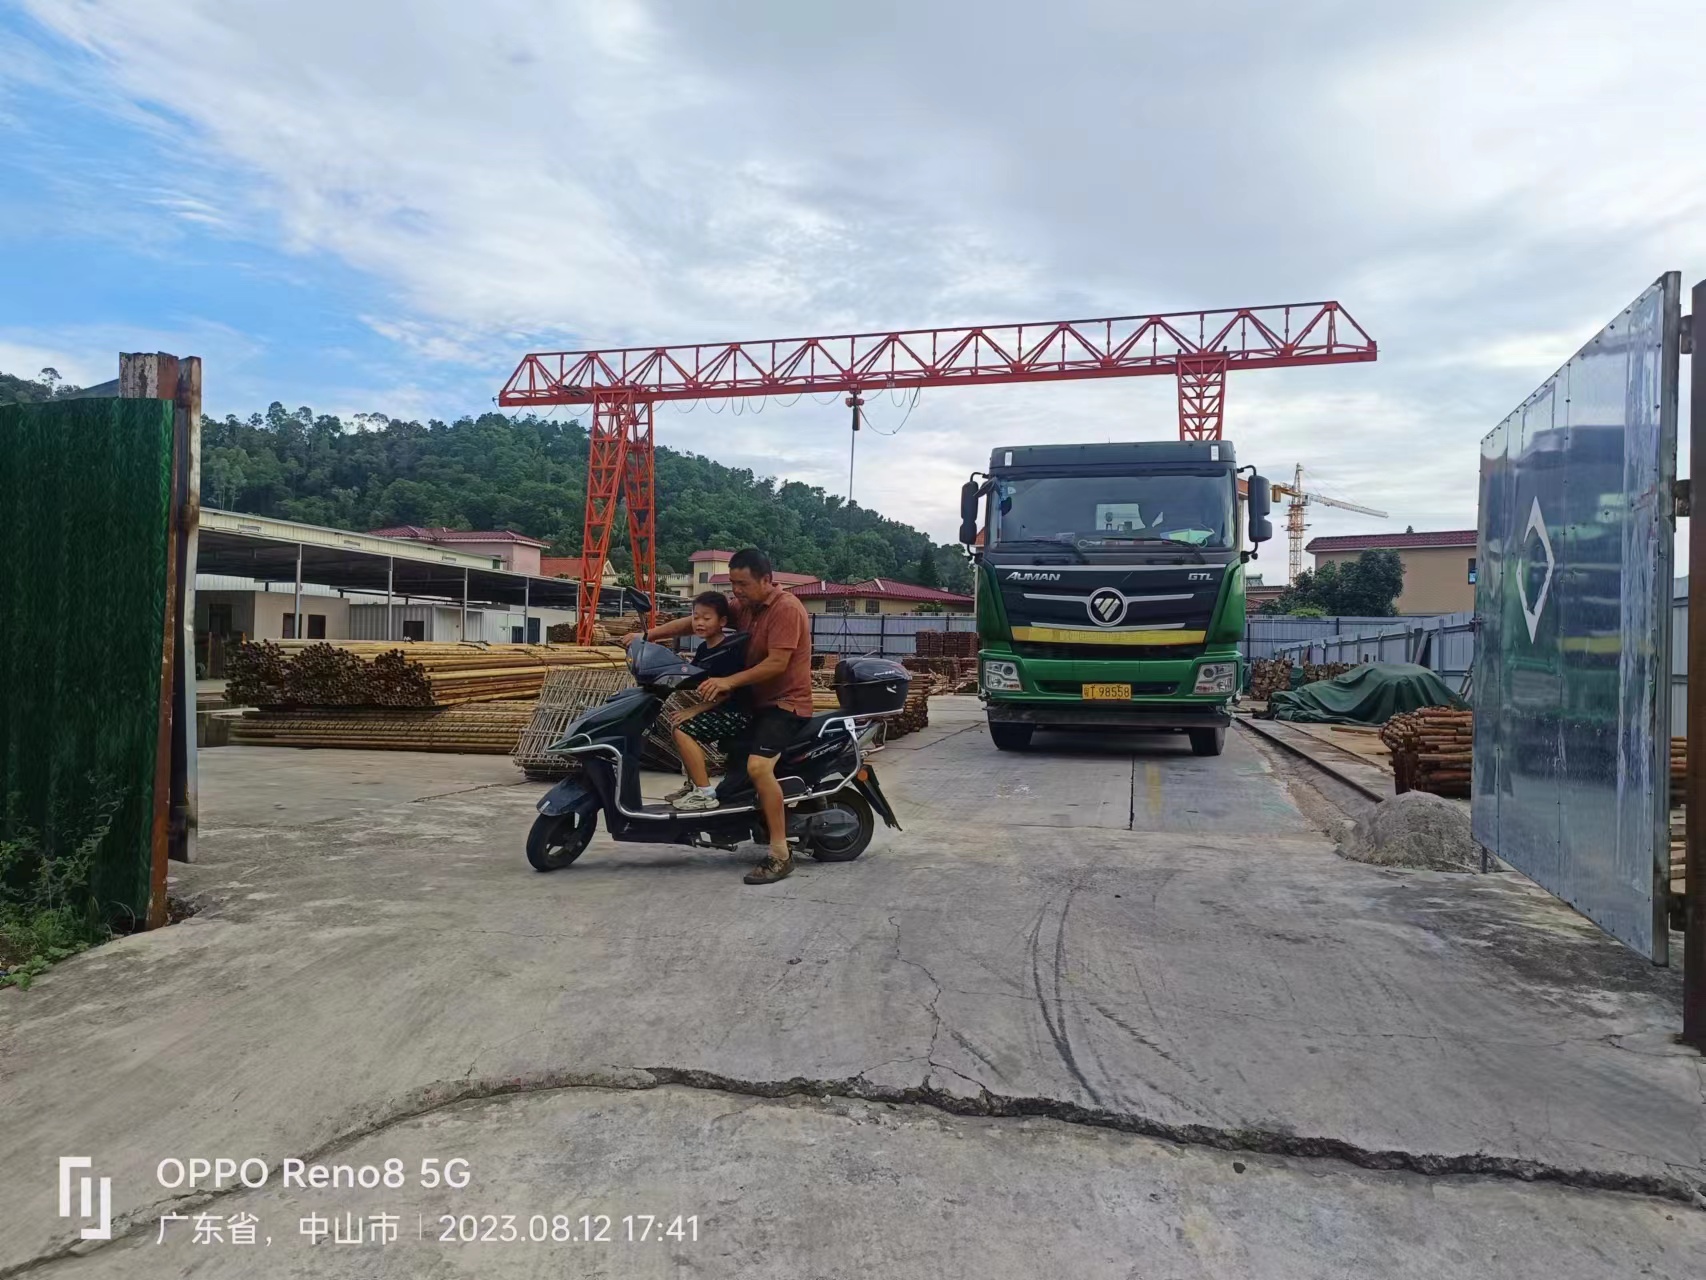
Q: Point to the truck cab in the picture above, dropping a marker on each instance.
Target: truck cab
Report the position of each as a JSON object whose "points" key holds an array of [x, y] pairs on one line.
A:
{"points": [[1110, 586]]}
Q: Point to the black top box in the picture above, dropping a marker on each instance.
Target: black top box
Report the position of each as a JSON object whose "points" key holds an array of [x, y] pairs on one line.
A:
{"points": [[871, 686]]}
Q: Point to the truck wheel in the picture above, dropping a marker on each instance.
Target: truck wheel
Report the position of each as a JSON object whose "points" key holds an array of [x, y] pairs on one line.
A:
{"points": [[1010, 737], [1207, 742]]}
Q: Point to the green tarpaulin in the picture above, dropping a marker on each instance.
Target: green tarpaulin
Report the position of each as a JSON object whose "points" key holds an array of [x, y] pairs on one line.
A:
{"points": [[1370, 694]]}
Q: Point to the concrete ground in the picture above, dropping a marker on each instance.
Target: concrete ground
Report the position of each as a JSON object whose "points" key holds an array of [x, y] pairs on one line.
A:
{"points": [[1102, 1003]]}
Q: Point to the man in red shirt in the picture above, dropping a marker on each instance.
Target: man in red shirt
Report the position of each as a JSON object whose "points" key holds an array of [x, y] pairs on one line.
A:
{"points": [[779, 682]]}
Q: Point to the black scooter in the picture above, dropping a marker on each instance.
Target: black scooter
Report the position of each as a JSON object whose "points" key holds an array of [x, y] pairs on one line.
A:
{"points": [[828, 788]]}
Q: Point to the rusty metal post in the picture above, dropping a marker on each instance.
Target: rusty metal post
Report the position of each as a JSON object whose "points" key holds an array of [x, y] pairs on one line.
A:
{"points": [[185, 774], [1694, 785], [148, 375]]}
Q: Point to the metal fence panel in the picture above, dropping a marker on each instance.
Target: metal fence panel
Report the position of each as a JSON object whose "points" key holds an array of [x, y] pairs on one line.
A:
{"points": [[1572, 703], [1266, 634], [1445, 642]]}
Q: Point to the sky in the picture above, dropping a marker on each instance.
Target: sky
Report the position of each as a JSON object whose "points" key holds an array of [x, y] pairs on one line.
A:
{"points": [[379, 206]]}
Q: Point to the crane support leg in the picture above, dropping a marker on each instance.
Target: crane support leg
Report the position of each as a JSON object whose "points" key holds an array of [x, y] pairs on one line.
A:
{"points": [[639, 489], [610, 420], [1202, 395]]}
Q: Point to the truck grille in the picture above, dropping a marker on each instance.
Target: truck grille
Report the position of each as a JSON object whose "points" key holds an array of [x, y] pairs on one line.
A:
{"points": [[1026, 649]]}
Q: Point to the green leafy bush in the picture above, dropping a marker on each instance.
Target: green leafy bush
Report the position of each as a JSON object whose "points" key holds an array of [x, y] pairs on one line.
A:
{"points": [[48, 909]]}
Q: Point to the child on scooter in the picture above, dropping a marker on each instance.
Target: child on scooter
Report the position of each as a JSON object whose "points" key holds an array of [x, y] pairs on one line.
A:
{"points": [[709, 721]]}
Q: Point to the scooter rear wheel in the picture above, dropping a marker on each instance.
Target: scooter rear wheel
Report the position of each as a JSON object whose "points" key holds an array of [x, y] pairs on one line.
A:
{"points": [[846, 851], [556, 840]]}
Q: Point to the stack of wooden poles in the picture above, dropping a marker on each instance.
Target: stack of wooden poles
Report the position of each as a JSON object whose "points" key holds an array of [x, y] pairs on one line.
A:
{"points": [[481, 728], [414, 696], [360, 673], [1269, 676], [1432, 750]]}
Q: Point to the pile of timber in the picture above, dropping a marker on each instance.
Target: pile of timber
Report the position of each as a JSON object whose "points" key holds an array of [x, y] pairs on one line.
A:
{"points": [[944, 675], [358, 673], [914, 716], [485, 728], [1313, 671], [1432, 750], [1269, 676], [945, 644]]}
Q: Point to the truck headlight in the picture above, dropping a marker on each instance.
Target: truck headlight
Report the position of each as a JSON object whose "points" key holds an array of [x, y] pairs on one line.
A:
{"points": [[1217, 677], [1001, 677]]}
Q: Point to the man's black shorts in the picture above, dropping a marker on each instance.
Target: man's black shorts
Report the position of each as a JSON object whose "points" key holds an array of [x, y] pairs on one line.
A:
{"points": [[772, 729]]}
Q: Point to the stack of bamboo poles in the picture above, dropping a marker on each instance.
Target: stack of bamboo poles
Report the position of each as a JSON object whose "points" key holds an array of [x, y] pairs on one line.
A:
{"points": [[353, 673], [1432, 750], [485, 728]]}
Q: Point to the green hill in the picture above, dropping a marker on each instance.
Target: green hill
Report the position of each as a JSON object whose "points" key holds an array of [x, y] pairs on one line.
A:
{"points": [[529, 474]]}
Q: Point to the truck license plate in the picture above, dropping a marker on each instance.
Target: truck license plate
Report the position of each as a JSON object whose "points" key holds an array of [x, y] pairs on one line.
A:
{"points": [[1107, 692]]}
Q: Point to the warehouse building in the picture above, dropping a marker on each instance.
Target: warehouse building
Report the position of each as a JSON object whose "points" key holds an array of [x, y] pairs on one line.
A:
{"points": [[260, 578]]}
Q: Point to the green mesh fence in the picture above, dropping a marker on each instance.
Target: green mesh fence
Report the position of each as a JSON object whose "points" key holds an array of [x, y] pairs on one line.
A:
{"points": [[85, 490]]}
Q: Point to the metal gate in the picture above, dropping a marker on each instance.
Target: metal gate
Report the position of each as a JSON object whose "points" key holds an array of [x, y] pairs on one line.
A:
{"points": [[1572, 696]]}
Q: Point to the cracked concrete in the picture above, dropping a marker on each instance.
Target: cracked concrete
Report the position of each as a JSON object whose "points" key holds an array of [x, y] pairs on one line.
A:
{"points": [[1144, 945]]}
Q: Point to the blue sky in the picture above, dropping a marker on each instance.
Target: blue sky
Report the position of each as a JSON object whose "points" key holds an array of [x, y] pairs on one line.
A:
{"points": [[379, 206]]}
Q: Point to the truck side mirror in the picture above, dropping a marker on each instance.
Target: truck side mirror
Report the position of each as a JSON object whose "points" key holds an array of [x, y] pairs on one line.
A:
{"points": [[1261, 502], [968, 511]]}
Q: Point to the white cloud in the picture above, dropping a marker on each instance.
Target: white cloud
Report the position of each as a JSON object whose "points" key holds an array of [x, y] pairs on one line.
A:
{"points": [[1478, 180]]}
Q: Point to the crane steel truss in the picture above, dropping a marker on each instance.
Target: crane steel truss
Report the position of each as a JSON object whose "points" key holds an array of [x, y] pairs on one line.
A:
{"points": [[1197, 347]]}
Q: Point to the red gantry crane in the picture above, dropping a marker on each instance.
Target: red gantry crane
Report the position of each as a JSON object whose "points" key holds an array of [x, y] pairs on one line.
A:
{"points": [[1199, 348]]}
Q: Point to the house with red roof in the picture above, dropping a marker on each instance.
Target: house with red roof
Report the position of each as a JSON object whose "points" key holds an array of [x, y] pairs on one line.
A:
{"points": [[1439, 565]]}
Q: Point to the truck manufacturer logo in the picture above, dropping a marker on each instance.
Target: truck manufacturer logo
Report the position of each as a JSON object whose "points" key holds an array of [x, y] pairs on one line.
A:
{"points": [[1106, 606], [1199, 577], [1030, 575]]}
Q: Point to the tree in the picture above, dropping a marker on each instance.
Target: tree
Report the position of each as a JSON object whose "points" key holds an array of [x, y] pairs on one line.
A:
{"points": [[927, 575], [47, 385], [1367, 587]]}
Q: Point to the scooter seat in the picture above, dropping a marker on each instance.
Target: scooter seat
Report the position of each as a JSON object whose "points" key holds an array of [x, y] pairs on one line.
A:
{"points": [[812, 728]]}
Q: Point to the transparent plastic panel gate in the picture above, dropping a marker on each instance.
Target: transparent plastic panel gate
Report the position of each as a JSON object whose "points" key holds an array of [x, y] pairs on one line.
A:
{"points": [[1572, 714]]}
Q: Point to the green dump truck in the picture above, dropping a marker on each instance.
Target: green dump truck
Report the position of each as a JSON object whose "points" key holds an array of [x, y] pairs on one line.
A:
{"points": [[1110, 586]]}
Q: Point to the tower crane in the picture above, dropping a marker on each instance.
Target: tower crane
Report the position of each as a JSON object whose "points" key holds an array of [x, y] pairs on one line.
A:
{"points": [[1297, 500], [1199, 348]]}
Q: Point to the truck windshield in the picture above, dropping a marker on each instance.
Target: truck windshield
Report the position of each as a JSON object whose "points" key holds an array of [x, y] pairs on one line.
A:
{"points": [[1194, 509]]}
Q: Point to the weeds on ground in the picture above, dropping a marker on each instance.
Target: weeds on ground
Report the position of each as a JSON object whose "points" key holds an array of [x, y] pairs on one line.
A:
{"points": [[48, 908]]}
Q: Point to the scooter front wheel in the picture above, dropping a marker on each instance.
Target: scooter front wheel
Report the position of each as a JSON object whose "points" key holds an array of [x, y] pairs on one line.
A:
{"points": [[558, 839]]}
